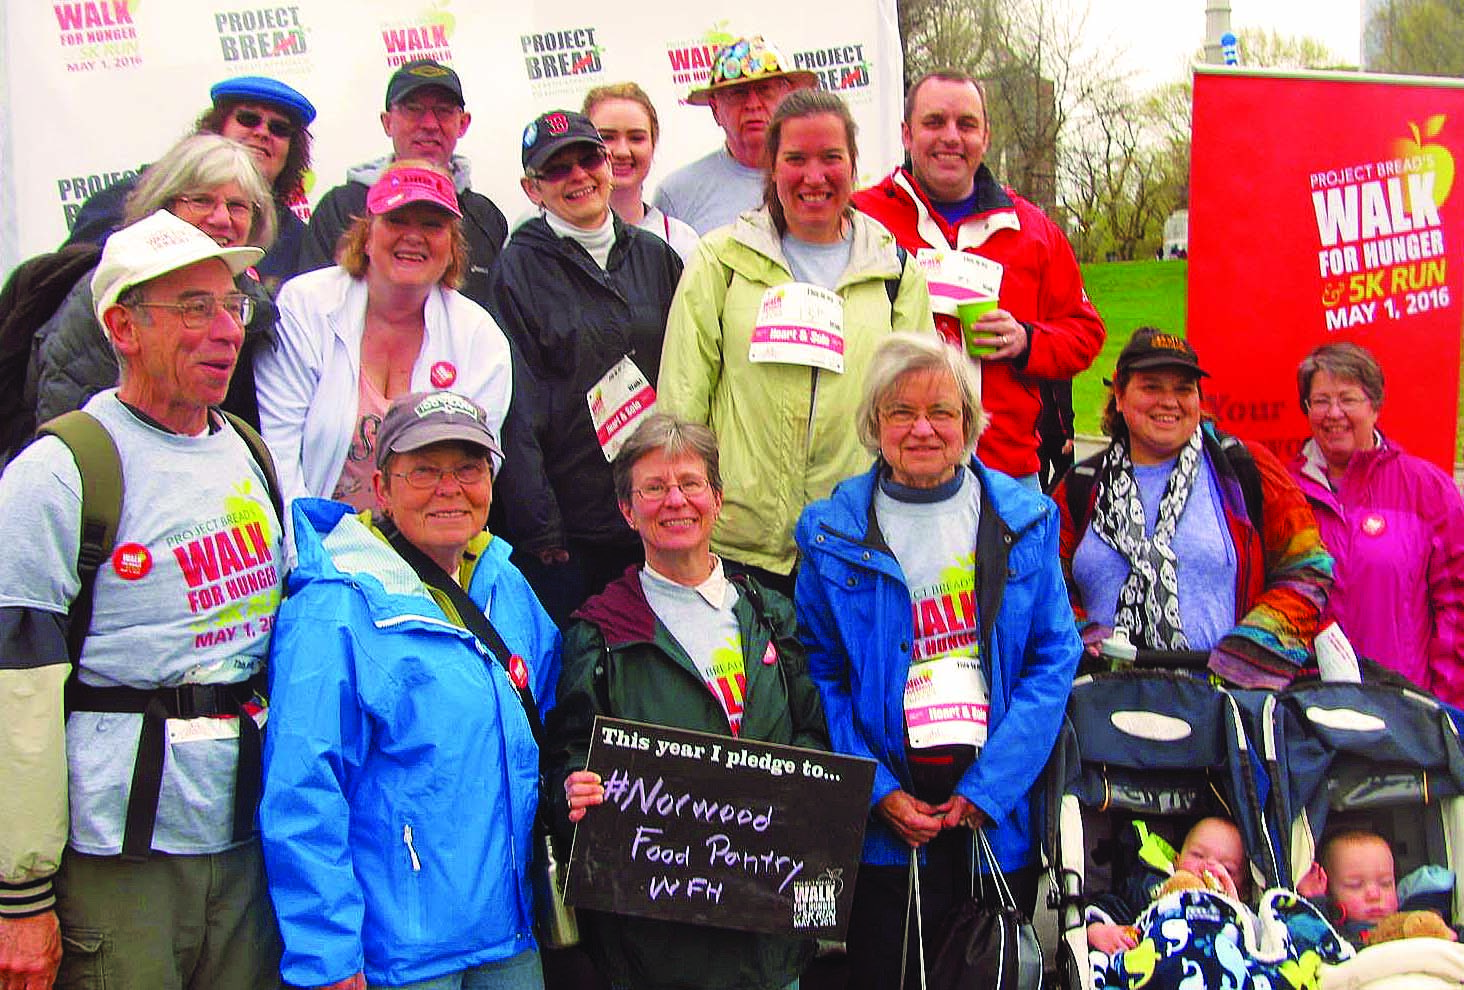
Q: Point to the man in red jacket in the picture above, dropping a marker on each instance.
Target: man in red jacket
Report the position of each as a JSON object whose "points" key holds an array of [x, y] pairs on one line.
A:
{"points": [[1044, 325]]}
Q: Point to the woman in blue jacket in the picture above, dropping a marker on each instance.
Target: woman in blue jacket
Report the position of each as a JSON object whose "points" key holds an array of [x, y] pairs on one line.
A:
{"points": [[401, 771], [938, 631]]}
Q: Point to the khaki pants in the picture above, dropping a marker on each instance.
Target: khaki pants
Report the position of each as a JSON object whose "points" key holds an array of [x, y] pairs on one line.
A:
{"points": [[171, 923]]}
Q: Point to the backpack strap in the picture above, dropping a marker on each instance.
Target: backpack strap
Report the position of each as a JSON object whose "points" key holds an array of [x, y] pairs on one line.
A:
{"points": [[892, 285], [100, 467], [260, 452], [1080, 479], [1243, 463]]}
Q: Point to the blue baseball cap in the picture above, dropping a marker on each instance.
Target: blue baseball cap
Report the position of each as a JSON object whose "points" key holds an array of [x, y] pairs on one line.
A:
{"points": [[262, 89]]}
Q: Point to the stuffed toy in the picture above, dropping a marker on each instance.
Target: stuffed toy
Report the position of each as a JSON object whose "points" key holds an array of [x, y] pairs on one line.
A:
{"points": [[1410, 924]]}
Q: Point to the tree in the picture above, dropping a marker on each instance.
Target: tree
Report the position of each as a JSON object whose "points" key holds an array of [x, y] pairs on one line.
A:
{"points": [[1026, 52], [1270, 50], [1421, 37], [1121, 175]]}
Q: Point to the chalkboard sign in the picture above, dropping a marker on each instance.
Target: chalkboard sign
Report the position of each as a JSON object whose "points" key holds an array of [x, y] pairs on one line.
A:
{"points": [[718, 831]]}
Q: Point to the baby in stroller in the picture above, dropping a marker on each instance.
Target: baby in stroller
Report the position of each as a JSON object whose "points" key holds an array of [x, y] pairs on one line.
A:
{"points": [[1355, 883], [1192, 927], [1212, 852]]}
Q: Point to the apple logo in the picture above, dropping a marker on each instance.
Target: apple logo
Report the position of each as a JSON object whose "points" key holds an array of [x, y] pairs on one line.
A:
{"points": [[438, 13], [1440, 160]]}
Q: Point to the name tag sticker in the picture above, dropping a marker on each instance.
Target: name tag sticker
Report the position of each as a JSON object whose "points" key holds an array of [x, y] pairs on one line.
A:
{"points": [[947, 702], [959, 276], [617, 403], [799, 323]]}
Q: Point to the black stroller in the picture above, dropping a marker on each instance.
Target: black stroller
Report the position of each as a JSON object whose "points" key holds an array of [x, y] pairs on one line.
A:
{"points": [[1161, 747], [1380, 757]]}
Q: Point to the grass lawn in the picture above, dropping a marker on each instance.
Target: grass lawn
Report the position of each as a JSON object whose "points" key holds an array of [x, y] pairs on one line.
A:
{"points": [[1129, 295]]}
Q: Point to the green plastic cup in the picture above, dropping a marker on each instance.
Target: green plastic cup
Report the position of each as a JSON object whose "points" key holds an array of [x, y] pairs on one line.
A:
{"points": [[978, 343]]}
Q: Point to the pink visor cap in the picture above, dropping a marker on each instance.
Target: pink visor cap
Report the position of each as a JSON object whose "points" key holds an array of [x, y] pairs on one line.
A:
{"points": [[404, 186]]}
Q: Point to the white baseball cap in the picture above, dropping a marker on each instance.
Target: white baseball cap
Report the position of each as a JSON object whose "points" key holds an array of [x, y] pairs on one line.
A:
{"points": [[154, 246]]}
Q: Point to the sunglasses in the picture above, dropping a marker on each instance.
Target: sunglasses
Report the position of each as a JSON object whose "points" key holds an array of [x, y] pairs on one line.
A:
{"points": [[278, 126], [589, 161]]}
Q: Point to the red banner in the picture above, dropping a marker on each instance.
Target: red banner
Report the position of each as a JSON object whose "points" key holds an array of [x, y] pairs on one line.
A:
{"points": [[1323, 207]]}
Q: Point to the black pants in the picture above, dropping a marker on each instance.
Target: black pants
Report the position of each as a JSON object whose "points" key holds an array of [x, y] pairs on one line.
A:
{"points": [[877, 922]]}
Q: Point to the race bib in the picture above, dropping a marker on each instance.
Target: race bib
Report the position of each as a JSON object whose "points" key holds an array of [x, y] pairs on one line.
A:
{"points": [[947, 702], [189, 730], [957, 276], [799, 323], [617, 403]]}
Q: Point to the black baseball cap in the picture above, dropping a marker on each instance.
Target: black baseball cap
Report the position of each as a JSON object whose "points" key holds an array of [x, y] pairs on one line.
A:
{"points": [[1152, 348], [549, 132], [420, 73]]}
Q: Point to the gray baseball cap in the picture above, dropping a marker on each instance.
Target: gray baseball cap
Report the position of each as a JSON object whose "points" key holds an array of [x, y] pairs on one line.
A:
{"points": [[421, 419]]}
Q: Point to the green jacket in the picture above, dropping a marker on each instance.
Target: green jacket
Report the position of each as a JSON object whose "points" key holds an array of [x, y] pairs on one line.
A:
{"points": [[786, 431], [620, 661]]}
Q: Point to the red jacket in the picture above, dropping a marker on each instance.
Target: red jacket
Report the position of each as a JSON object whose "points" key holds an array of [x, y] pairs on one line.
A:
{"points": [[1041, 287]]}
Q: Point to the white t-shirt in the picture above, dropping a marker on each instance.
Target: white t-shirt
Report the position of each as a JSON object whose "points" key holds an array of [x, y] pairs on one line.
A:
{"points": [[187, 597]]}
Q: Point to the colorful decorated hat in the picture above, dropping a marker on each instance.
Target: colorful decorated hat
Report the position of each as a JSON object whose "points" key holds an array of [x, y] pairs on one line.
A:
{"points": [[748, 60]]}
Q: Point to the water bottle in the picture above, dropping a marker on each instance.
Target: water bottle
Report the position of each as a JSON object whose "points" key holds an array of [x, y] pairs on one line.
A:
{"points": [[1118, 650], [557, 927]]}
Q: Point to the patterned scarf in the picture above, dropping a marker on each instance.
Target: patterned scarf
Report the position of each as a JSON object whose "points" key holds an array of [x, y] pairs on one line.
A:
{"points": [[1148, 603]]}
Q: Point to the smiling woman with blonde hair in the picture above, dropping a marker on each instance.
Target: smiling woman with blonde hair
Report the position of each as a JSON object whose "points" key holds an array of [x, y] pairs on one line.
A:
{"points": [[387, 320]]}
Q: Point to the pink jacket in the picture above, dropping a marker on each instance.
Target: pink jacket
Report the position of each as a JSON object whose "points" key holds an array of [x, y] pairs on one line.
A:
{"points": [[1395, 525]]}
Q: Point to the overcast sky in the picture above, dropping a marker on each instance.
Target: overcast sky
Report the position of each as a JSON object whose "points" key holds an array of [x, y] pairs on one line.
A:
{"points": [[1155, 38]]}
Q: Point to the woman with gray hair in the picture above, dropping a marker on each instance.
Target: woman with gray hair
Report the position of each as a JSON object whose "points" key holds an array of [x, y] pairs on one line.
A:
{"points": [[679, 643], [214, 184], [1393, 522], [932, 605]]}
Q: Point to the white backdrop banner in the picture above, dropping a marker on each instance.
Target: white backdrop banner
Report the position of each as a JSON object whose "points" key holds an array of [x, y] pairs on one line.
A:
{"points": [[92, 89]]}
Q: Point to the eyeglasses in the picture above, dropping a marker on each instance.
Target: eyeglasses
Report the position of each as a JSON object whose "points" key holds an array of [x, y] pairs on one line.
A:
{"points": [[589, 161], [202, 205], [657, 491], [414, 112], [199, 311], [425, 477], [769, 92], [905, 416], [1347, 403], [278, 126]]}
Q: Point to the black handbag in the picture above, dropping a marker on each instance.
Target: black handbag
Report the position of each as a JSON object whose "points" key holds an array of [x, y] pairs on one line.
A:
{"points": [[555, 924], [981, 947]]}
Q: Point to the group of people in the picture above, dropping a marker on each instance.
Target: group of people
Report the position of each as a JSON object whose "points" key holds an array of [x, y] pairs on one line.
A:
{"points": [[461, 552]]}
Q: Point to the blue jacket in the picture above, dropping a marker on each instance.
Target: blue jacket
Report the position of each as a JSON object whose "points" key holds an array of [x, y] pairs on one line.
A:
{"points": [[854, 616], [401, 775]]}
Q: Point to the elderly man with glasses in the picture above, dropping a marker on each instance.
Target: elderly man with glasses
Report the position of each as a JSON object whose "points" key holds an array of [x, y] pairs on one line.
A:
{"points": [[749, 78], [273, 121], [425, 117], [130, 711]]}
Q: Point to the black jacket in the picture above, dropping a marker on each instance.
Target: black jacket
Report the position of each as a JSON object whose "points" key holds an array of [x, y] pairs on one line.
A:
{"points": [[483, 225], [569, 323]]}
